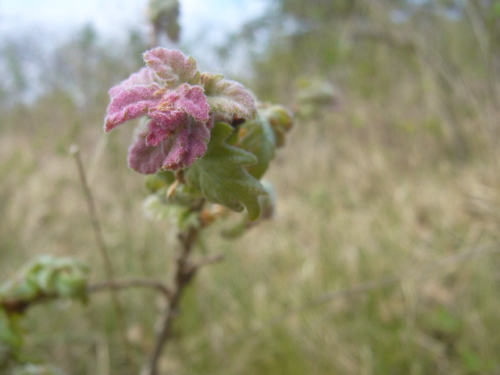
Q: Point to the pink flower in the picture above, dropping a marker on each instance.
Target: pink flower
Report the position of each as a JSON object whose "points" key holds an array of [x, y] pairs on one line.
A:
{"points": [[180, 104], [179, 127]]}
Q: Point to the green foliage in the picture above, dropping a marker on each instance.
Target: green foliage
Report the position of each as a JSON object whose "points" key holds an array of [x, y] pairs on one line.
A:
{"points": [[45, 278], [159, 181], [164, 15], [228, 174], [377, 202], [157, 208], [10, 335], [257, 137], [267, 205], [221, 176], [281, 121]]}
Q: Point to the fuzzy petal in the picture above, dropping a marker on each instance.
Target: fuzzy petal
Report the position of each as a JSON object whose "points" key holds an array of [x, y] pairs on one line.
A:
{"points": [[171, 65], [189, 99], [190, 144], [145, 76], [163, 125], [146, 159], [130, 103], [175, 151]]}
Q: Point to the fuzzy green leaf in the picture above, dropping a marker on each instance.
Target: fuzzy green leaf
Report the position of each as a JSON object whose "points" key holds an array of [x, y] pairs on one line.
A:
{"points": [[221, 175], [10, 333], [159, 181], [257, 137], [158, 209], [280, 119], [46, 276]]}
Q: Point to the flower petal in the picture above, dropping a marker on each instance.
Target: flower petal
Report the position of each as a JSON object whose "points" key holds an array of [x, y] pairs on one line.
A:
{"points": [[130, 103], [143, 158], [171, 65], [145, 76], [163, 125], [178, 150], [189, 99], [189, 144]]}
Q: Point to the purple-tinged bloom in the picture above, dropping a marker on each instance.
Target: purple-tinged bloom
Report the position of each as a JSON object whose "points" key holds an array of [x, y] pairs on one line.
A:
{"points": [[131, 102], [179, 127], [172, 66], [144, 76], [181, 105]]}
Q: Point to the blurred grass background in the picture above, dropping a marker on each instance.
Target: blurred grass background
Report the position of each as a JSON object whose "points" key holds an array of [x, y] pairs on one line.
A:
{"points": [[393, 182]]}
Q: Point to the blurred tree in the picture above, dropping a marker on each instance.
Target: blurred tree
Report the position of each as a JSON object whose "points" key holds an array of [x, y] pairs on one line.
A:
{"points": [[18, 57], [436, 49], [85, 67], [164, 17], [296, 38], [13, 55]]}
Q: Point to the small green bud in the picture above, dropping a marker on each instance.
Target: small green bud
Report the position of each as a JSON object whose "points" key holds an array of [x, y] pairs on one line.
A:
{"points": [[159, 180], [281, 121], [257, 137]]}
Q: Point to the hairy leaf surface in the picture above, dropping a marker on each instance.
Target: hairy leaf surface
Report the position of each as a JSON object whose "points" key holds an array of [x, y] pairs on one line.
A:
{"points": [[221, 175], [258, 137], [228, 96]]}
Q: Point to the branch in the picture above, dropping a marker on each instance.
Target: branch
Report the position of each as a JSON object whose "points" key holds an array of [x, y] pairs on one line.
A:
{"points": [[208, 260], [19, 306], [132, 283], [184, 273], [103, 250]]}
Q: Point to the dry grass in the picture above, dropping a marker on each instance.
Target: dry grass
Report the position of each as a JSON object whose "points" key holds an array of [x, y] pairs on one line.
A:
{"points": [[373, 203], [350, 210]]}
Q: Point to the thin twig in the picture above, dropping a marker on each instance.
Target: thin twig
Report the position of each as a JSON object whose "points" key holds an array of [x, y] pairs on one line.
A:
{"points": [[132, 283], [208, 260], [184, 273], [103, 251], [18, 306]]}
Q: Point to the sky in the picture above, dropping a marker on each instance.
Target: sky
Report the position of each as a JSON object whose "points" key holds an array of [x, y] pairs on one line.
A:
{"points": [[110, 17], [42, 25]]}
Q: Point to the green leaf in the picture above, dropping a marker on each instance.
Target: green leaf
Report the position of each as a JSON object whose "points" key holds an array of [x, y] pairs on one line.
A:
{"points": [[159, 180], [224, 95], [267, 202], [72, 285], [46, 276], [280, 119], [157, 208], [10, 334], [267, 207], [257, 137], [25, 289], [46, 279], [237, 230], [221, 175]]}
